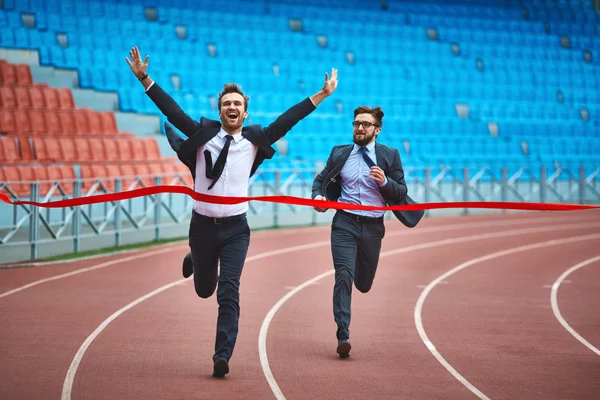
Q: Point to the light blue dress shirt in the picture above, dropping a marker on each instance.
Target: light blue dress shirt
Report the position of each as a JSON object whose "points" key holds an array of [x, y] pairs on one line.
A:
{"points": [[357, 186]]}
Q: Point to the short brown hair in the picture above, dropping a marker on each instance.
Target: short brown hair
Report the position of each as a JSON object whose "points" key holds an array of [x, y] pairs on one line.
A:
{"points": [[376, 112], [233, 88]]}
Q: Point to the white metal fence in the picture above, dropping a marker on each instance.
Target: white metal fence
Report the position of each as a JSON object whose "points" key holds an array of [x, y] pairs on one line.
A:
{"points": [[25, 231]]}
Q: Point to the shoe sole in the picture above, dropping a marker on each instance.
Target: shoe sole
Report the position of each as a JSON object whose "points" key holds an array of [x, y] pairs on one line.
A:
{"points": [[221, 369], [343, 349]]}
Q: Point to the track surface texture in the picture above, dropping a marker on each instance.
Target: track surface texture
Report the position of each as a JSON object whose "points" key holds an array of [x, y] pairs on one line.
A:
{"points": [[499, 306]]}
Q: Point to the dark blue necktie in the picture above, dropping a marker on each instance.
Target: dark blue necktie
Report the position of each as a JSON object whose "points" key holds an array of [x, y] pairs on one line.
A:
{"points": [[367, 159]]}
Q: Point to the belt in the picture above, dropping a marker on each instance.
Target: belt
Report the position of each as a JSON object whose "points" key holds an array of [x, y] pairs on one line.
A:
{"points": [[363, 220], [221, 220]]}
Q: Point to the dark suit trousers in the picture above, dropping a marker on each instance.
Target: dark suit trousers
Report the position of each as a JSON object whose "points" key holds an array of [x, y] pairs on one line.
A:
{"points": [[225, 243], [355, 247]]}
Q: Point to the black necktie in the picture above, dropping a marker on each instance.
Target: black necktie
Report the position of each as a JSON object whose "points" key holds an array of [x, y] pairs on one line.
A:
{"points": [[214, 172], [368, 160]]}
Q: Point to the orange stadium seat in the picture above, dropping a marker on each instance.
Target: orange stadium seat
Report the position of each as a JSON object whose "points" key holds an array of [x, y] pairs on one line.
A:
{"points": [[68, 147], [109, 123], [8, 124], [26, 149], [85, 151], [81, 123], [22, 96], [9, 152], [37, 98], [152, 151], [65, 98], [94, 123], [11, 174], [127, 171], [53, 125], [67, 123], [7, 97], [8, 75], [110, 149], [23, 74], [144, 172], [51, 98], [123, 149]]}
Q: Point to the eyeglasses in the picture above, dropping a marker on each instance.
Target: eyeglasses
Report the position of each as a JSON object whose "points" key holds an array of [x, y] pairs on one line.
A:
{"points": [[365, 124]]}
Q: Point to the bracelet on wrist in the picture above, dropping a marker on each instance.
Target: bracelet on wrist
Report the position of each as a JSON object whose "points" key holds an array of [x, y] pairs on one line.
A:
{"points": [[143, 77]]}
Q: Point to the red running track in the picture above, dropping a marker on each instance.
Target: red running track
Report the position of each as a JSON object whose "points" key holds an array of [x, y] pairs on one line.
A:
{"points": [[460, 308]]}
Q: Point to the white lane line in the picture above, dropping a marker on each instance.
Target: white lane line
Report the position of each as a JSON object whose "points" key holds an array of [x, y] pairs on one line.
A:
{"points": [[70, 377], [93, 268], [68, 383], [425, 293], [556, 310], [264, 329], [37, 264], [316, 244]]}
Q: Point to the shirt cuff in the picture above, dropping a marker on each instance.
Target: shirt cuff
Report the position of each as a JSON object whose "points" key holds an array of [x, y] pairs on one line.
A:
{"points": [[148, 88], [311, 100], [384, 182]]}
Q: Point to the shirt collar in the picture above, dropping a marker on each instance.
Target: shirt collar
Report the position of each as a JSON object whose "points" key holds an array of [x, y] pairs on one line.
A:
{"points": [[369, 147], [236, 138]]}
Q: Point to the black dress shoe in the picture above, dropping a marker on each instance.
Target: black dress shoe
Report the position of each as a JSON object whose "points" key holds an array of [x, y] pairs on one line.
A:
{"points": [[221, 368], [343, 348], [187, 269]]}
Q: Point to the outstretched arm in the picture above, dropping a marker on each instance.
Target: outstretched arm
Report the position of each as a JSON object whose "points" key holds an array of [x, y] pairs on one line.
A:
{"points": [[296, 113], [164, 102], [317, 187]]}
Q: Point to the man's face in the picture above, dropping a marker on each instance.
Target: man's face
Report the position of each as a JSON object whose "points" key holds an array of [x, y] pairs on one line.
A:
{"points": [[232, 112], [363, 135]]}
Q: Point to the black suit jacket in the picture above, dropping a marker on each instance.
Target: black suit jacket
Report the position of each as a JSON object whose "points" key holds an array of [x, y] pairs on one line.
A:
{"points": [[328, 182], [201, 132]]}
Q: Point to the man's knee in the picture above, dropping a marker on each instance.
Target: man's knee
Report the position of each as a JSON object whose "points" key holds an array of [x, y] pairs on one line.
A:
{"points": [[203, 290], [363, 287], [228, 290], [343, 274]]}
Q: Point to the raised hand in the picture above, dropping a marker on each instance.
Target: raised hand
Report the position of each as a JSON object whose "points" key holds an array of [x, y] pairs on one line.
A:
{"points": [[137, 66], [330, 83]]}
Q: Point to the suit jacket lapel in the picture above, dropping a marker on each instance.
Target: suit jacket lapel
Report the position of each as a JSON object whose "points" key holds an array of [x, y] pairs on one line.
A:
{"points": [[343, 157], [209, 130], [254, 135], [380, 156]]}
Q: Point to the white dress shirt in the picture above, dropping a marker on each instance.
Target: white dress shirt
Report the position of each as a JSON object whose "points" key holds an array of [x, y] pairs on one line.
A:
{"points": [[234, 180]]}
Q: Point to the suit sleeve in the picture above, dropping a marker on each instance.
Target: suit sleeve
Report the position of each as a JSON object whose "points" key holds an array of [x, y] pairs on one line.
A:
{"points": [[286, 121], [172, 111], [317, 187], [396, 187]]}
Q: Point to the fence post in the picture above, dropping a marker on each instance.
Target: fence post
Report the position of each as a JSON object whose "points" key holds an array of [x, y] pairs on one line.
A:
{"points": [[582, 185], [466, 188], [504, 187], [543, 184], [157, 210], [34, 220], [426, 194], [118, 215], [76, 225], [275, 205]]}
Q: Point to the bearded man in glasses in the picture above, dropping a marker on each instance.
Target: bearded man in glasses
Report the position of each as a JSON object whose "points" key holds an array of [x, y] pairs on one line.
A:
{"points": [[365, 173]]}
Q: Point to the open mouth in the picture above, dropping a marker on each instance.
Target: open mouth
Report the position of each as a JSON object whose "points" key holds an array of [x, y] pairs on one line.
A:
{"points": [[232, 115]]}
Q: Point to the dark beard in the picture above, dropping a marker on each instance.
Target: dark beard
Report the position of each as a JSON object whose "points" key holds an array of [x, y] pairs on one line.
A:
{"points": [[362, 142]]}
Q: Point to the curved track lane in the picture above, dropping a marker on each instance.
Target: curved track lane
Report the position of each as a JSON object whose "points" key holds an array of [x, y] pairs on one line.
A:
{"points": [[161, 346]]}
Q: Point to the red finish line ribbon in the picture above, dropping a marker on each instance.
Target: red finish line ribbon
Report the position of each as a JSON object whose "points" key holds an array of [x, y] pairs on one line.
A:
{"points": [[109, 197]]}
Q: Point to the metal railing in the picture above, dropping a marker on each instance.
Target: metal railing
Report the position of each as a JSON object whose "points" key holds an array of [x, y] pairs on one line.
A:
{"points": [[164, 215]]}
